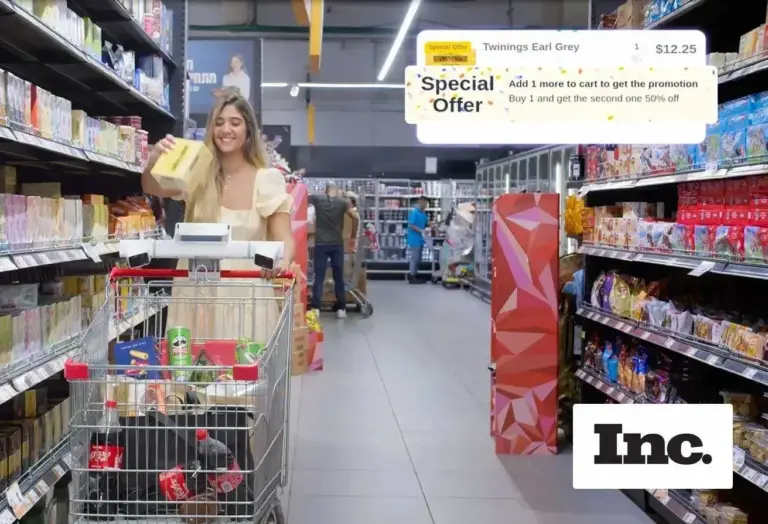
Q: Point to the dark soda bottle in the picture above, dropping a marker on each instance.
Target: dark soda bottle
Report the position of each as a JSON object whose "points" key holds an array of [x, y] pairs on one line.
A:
{"points": [[216, 457], [106, 451], [105, 460], [182, 482]]}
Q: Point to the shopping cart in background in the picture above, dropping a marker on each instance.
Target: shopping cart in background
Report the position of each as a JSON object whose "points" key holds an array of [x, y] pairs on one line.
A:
{"points": [[190, 423], [355, 278]]}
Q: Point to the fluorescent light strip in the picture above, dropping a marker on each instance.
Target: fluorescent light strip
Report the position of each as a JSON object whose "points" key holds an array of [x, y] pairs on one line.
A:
{"points": [[319, 85], [313, 85], [404, 27]]}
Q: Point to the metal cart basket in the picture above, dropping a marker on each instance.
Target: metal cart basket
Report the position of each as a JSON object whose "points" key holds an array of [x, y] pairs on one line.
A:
{"points": [[188, 424]]}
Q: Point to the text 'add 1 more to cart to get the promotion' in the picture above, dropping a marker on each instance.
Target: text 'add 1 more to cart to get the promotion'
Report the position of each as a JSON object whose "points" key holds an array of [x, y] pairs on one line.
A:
{"points": [[652, 446], [570, 87]]}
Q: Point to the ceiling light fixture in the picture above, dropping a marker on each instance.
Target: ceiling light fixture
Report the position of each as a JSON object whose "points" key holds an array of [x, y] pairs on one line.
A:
{"points": [[320, 85], [401, 34]]}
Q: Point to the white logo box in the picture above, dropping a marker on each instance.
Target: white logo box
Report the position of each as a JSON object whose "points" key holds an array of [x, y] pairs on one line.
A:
{"points": [[712, 423]]}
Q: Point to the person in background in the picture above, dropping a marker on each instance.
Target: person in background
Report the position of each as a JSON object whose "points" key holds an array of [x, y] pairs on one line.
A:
{"points": [[237, 78], [330, 209], [417, 226]]}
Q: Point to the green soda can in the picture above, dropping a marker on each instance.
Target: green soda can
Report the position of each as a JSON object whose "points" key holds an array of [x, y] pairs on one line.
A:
{"points": [[249, 353], [180, 351]]}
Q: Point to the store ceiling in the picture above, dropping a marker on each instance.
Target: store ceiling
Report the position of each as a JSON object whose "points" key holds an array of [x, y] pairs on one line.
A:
{"points": [[357, 38]]}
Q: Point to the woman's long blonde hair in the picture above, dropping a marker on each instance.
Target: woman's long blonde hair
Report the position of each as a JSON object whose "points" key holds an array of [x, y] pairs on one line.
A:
{"points": [[203, 201]]}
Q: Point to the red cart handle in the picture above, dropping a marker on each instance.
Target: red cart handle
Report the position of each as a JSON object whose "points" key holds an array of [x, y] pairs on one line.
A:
{"points": [[121, 272]]}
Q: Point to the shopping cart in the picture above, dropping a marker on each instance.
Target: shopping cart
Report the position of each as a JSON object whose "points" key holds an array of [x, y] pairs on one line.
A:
{"points": [[190, 423], [354, 267]]}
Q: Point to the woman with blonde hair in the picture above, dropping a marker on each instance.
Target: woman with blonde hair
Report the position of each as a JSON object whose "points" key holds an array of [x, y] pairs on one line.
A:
{"points": [[246, 193]]}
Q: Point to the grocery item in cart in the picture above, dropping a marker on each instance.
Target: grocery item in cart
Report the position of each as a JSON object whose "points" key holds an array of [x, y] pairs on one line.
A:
{"points": [[105, 460], [216, 456], [183, 482], [137, 354], [248, 352], [106, 451], [181, 352]]}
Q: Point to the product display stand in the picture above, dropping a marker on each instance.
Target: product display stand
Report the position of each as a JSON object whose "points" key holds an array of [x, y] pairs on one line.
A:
{"points": [[524, 324], [679, 231], [539, 170], [85, 88]]}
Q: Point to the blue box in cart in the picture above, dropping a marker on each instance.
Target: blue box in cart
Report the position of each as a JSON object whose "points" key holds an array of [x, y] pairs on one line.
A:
{"points": [[140, 352]]}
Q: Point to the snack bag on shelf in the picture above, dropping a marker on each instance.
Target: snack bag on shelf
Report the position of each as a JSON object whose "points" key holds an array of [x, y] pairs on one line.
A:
{"points": [[574, 211]]}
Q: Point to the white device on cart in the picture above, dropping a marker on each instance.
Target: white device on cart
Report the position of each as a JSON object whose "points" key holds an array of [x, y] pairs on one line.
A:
{"points": [[204, 245]]}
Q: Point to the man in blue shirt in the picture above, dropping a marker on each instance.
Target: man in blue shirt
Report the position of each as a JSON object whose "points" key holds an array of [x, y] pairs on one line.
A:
{"points": [[417, 225]]}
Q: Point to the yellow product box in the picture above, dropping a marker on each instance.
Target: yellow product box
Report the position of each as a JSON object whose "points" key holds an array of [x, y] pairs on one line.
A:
{"points": [[99, 283], [94, 199], [65, 415], [9, 179], [79, 127], [759, 34], [299, 315], [48, 440], [71, 285], [85, 285], [88, 220], [46, 322], [184, 167], [56, 418], [6, 340]]}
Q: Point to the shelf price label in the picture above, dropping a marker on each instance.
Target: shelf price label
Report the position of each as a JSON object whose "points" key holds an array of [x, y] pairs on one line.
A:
{"points": [[704, 267], [689, 518], [7, 517], [738, 458], [18, 502], [749, 372], [762, 480]]}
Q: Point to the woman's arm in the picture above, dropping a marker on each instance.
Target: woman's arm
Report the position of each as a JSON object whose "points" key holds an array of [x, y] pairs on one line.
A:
{"points": [[279, 230], [148, 183]]}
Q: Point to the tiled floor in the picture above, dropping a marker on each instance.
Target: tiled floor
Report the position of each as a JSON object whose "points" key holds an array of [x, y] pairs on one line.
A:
{"points": [[395, 429]]}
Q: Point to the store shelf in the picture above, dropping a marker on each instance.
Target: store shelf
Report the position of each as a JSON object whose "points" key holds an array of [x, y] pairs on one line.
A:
{"points": [[60, 253], [120, 27], [697, 350], [743, 465], [49, 60], [677, 14], [676, 178], [747, 467], [25, 375], [670, 505], [614, 391], [697, 265], [23, 145], [22, 495]]}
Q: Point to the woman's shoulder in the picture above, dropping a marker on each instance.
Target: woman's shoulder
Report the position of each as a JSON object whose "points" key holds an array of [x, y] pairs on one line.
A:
{"points": [[268, 173]]}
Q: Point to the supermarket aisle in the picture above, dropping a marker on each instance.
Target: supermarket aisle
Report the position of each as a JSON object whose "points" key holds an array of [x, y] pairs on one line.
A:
{"points": [[395, 429]]}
